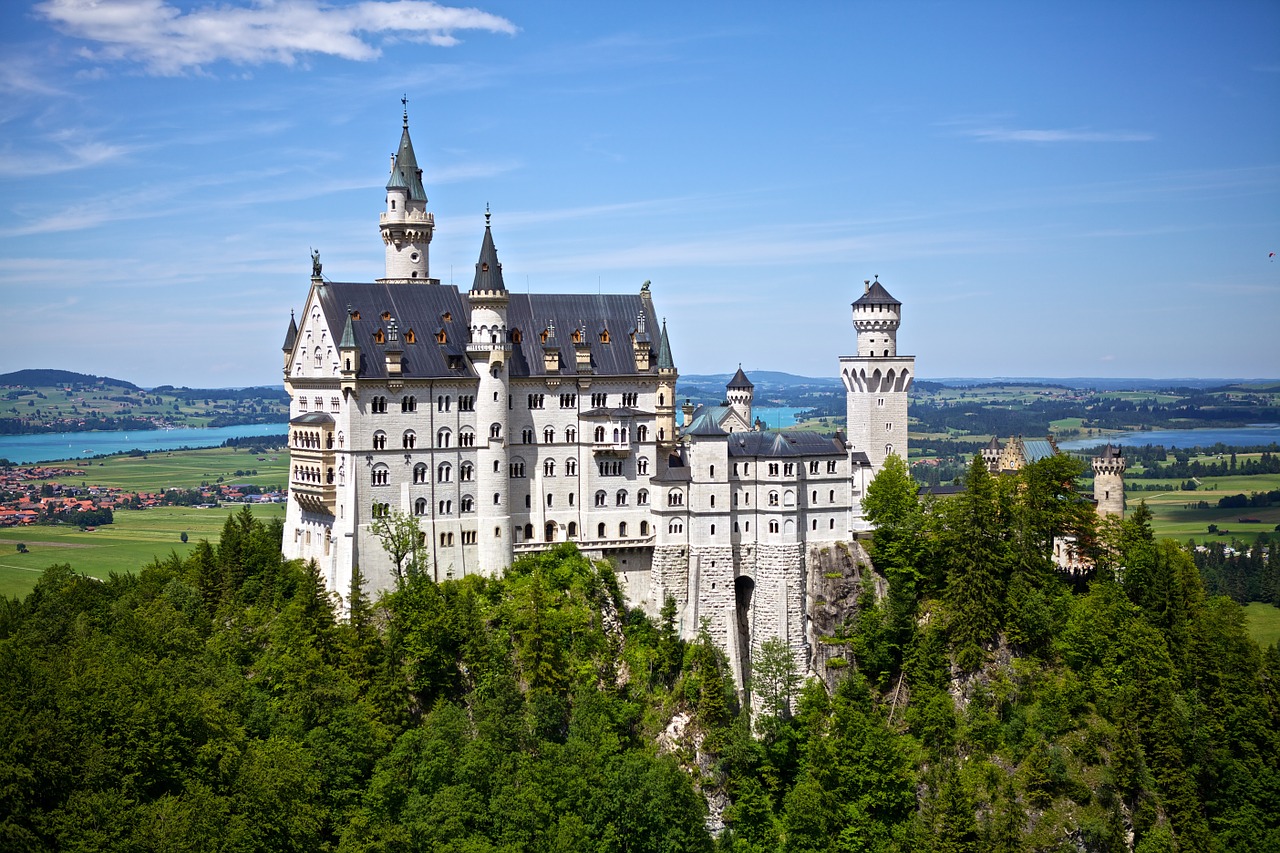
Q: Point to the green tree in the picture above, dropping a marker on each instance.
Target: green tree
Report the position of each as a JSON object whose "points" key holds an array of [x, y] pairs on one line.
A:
{"points": [[402, 539], [774, 680], [975, 524]]}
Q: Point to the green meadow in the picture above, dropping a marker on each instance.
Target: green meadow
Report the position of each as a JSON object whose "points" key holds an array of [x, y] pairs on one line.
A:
{"points": [[1263, 623], [132, 541], [181, 469]]}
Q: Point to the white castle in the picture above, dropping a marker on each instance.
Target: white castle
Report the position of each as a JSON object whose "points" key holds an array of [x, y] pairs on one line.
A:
{"points": [[505, 423]]}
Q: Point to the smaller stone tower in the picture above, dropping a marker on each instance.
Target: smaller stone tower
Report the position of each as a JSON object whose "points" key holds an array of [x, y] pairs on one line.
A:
{"points": [[1108, 481], [490, 354], [877, 379], [665, 411], [740, 392], [406, 225]]}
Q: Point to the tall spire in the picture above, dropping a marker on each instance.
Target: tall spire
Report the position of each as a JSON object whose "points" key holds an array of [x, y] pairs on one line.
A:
{"points": [[292, 335], [404, 166], [488, 269], [665, 361]]}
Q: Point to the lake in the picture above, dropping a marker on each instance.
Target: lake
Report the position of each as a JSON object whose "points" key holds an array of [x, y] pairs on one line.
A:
{"points": [[53, 446], [1253, 434]]}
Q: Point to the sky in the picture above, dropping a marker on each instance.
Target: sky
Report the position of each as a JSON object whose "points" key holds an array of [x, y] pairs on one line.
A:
{"points": [[1051, 189]]}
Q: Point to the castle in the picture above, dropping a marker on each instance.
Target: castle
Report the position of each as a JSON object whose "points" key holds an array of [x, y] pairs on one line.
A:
{"points": [[504, 423]]}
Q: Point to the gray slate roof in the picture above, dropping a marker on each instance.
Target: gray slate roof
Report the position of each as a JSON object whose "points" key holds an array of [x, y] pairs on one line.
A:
{"points": [[488, 270], [404, 171], [876, 295], [291, 335], [740, 380], [785, 443], [1035, 449]]}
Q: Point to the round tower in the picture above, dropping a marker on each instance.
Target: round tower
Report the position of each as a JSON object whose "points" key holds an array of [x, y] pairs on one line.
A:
{"points": [[1108, 481], [740, 392], [406, 225], [876, 317], [490, 354]]}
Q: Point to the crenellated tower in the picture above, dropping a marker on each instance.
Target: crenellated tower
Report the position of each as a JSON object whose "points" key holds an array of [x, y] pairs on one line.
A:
{"points": [[490, 354], [1108, 481], [877, 379], [740, 392], [406, 225]]}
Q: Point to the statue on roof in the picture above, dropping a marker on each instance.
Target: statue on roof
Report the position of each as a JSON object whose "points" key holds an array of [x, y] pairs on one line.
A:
{"points": [[315, 263], [644, 288]]}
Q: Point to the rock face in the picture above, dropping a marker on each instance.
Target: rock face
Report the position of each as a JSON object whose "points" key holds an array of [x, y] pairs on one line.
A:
{"points": [[835, 581]]}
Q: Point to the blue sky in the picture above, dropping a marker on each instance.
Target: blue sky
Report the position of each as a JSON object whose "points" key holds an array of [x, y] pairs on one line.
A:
{"points": [[1052, 189]]}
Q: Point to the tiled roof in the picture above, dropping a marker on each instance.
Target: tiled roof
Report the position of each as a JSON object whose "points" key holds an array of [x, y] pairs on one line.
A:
{"points": [[1035, 449], [740, 380], [876, 295], [784, 443]]}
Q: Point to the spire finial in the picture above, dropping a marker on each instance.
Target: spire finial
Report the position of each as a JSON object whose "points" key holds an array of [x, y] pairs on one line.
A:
{"points": [[486, 214], [404, 101], [877, 279]]}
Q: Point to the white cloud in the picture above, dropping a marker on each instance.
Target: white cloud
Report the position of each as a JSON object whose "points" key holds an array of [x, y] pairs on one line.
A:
{"points": [[1004, 134], [169, 41], [67, 151]]}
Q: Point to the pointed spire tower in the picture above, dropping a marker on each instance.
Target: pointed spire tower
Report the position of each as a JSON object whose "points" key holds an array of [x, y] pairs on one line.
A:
{"points": [[490, 355], [290, 338], [665, 411], [406, 225], [740, 391]]}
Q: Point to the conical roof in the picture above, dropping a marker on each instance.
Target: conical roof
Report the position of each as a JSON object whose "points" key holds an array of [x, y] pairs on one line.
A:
{"points": [[290, 336], [876, 295], [488, 270], [665, 361], [348, 334], [740, 381], [405, 173]]}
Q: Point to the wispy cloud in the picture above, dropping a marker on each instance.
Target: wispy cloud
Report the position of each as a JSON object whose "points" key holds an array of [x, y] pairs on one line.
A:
{"points": [[65, 151], [167, 40], [1005, 134]]}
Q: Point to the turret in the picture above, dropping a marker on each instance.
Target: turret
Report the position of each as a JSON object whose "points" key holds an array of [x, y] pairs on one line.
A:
{"points": [[406, 225], [349, 356], [876, 316], [490, 354], [641, 347], [290, 338], [740, 392], [1108, 481], [665, 411]]}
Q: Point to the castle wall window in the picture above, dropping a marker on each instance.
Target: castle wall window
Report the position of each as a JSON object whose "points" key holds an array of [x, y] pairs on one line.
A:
{"points": [[713, 501], [381, 475], [610, 467], [676, 526], [599, 435], [443, 437], [467, 504], [815, 524], [832, 466], [644, 528], [832, 496], [467, 438], [465, 472], [888, 450], [813, 466], [379, 440], [773, 469], [601, 498], [408, 404], [446, 540], [468, 537], [622, 530], [568, 401], [675, 498], [888, 427], [571, 499], [572, 530], [409, 439], [713, 530], [832, 524], [443, 402], [528, 501], [550, 501], [467, 404], [549, 435], [570, 435], [621, 498], [378, 405], [599, 401], [642, 433], [746, 527], [642, 497], [789, 469], [773, 499], [815, 496], [497, 501], [600, 530], [380, 510], [420, 473], [526, 436], [303, 404], [495, 431], [536, 401], [880, 402], [788, 498], [549, 468], [773, 526], [630, 400], [335, 404], [444, 472], [642, 466], [735, 498], [516, 469], [446, 507]]}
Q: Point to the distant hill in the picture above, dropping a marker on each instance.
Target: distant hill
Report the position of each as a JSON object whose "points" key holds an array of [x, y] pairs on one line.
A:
{"points": [[764, 378], [47, 378]]}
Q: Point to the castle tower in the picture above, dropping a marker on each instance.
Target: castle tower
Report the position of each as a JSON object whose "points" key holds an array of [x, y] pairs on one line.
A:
{"points": [[406, 225], [1108, 481], [740, 392], [490, 354], [877, 379], [665, 411]]}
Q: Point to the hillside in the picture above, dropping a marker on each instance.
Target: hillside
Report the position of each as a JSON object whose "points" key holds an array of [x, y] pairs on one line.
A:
{"points": [[40, 378]]}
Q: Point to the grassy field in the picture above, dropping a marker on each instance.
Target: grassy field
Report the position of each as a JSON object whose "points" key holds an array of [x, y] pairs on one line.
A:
{"points": [[1263, 622], [136, 537], [184, 469]]}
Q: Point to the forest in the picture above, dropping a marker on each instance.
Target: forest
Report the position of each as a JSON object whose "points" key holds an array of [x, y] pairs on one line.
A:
{"points": [[989, 702]]}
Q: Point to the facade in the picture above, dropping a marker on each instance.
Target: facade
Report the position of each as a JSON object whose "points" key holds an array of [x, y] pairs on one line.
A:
{"points": [[505, 423]]}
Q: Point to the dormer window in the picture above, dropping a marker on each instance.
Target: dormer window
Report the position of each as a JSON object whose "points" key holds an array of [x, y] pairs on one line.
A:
{"points": [[604, 336], [446, 316], [544, 335], [577, 336], [410, 337], [484, 268], [379, 337], [516, 337], [442, 337], [355, 315], [386, 315]]}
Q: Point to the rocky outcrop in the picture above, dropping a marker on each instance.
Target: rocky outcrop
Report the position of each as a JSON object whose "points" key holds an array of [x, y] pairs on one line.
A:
{"points": [[834, 582]]}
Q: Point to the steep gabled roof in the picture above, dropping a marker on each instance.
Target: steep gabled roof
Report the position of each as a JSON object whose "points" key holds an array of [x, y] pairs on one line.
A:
{"points": [[405, 173], [785, 443], [876, 295], [348, 334], [665, 361], [291, 336]]}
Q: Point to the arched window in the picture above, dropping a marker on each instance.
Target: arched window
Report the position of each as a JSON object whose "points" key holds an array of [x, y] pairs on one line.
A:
{"points": [[420, 473], [495, 431], [443, 437], [833, 496], [888, 450], [408, 404], [526, 436], [788, 498], [467, 504], [570, 435], [642, 433], [549, 468], [497, 499], [599, 435], [381, 475], [644, 528], [420, 506], [549, 533], [621, 497], [713, 530], [379, 440], [642, 497], [528, 532], [409, 439], [466, 471], [773, 499], [342, 439], [713, 501], [600, 531], [467, 438], [622, 530], [675, 497], [773, 526], [549, 435], [571, 466], [601, 498], [676, 526], [444, 472], [446, 507], [572, 530], [642, 466]]}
